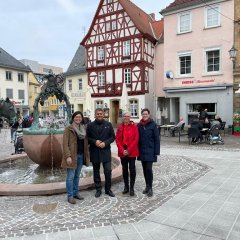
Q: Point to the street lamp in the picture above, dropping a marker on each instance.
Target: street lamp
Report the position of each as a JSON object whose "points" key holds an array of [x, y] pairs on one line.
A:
{"points": [[233, 55]]}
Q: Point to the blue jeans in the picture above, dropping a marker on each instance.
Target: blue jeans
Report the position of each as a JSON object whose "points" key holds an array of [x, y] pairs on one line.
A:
{"points": [[72, 181]]}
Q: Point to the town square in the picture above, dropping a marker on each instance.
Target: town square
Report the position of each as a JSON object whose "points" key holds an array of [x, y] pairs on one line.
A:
{"points": [[133, 133]]}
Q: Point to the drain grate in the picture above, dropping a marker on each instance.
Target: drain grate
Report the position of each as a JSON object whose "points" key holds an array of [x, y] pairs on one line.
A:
{"points": [[44, 208]]}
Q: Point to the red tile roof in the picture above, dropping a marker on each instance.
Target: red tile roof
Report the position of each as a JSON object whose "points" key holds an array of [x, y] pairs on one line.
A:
{"points": [[143, 21]]}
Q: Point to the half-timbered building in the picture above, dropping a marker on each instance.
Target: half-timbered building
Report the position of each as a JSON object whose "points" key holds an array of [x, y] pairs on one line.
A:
{"points": [[120, 46]]}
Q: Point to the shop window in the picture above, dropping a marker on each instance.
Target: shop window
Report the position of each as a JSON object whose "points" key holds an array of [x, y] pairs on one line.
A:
{"points": [[195, 108]]}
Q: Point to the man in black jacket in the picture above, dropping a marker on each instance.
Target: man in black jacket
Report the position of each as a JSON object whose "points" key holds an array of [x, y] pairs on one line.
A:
{"points": [[100, 135]]}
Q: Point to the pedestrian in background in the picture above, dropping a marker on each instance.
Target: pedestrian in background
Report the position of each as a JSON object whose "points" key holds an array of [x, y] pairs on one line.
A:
{"points": [[127, 143], [100, 135], [149, 148], [75, 150]]}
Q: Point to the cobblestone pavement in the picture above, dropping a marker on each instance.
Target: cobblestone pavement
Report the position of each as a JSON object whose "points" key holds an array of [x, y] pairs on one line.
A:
{"points": [[23, 215], [196, 196]]}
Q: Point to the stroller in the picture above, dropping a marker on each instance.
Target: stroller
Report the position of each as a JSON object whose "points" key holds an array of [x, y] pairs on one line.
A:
{"points": [[18, 143], [214, 135]]}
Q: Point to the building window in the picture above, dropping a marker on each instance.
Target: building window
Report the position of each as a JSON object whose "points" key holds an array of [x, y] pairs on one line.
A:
{"points": [[8, 75], [108, 26], [101, 79], [185, 63], [80, 87], [133, 108], [126, 48], [20, 77], [35, 89], [100, 54], [70, 85], [21, 94], [193, 110], [72, 108], [184, 22], [9, 93], [109, 1], [212, 16], [127, 75], [212, 60], [98, 104], [114, 25]]}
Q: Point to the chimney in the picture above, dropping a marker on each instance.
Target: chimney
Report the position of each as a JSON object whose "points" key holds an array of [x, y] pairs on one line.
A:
{"points": [[152, 15]]}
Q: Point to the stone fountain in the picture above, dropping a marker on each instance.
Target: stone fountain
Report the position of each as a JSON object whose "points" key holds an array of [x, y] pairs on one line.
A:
{"points": [[44, 145]]}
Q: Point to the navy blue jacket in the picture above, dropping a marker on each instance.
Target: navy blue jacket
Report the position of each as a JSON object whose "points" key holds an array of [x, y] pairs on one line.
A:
{"points": [[149, 142], [100, 131]]}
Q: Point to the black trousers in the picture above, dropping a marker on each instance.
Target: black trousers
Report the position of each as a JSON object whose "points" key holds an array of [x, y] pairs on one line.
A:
{"points": [[107, 168], [128, 161], [148, 173]]}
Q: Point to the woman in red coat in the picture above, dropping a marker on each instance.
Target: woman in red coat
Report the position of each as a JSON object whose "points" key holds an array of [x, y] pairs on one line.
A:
{"points": [[127, 143]]}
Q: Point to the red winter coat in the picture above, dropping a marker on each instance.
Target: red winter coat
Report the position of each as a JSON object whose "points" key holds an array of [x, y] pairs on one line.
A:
{"points": [[128, 135]]}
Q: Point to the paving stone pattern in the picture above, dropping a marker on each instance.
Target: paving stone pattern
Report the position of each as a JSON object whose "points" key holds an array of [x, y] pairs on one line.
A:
{"points": [[48, 214]]}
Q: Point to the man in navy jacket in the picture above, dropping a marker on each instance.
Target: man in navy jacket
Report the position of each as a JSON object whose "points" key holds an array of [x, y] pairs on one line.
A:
{"points": [[100, 135]]}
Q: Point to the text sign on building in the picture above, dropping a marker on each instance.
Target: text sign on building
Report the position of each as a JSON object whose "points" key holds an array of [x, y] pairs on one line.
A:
{"points": [[186, 82]]}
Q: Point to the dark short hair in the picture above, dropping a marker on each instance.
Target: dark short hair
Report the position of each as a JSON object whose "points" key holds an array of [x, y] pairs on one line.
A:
{"points": [[77, 113], [98, 110], [145, 110]]}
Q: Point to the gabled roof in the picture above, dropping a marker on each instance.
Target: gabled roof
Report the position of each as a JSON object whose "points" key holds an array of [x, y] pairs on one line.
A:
{"points": [[143, 21], [8, 61], [179, 4], [78, 63]]}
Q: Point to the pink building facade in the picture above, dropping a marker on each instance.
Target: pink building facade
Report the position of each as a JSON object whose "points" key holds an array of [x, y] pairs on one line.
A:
{"points": [[193, 69]]}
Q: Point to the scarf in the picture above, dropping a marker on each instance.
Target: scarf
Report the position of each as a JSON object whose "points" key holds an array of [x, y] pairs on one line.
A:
{"points": [[80, 130], [144, 123]]}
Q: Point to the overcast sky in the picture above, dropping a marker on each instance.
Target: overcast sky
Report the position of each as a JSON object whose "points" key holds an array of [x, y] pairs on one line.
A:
{"points": [[49, 31]]}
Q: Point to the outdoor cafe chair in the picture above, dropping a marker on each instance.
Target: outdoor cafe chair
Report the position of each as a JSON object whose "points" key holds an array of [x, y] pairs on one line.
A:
{"points": [[193, 133]]}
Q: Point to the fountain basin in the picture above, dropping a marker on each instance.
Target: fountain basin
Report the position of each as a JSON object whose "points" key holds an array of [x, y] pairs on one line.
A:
{"points": [[44, 146], [55, 187]]}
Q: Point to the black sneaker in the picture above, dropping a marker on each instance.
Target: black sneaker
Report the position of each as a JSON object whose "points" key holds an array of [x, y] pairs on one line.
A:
{"points": [[98, 193], [110, 193]]}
